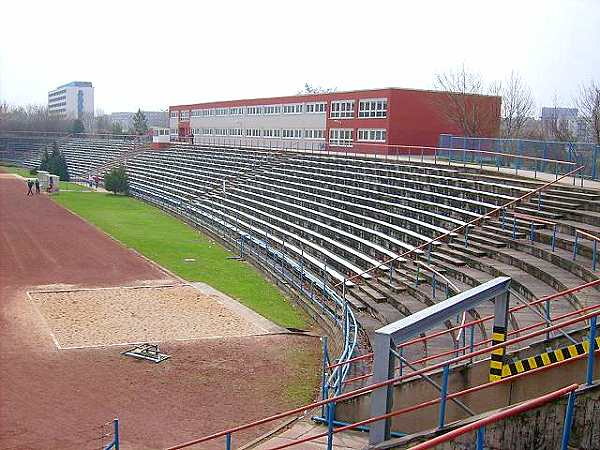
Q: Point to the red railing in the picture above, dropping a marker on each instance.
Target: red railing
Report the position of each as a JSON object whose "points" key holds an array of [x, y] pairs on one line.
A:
{"points": [[392, 381], [492, 418]]}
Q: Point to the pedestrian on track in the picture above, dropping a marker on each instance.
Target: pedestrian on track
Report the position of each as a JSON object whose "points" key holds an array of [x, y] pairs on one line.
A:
{"points": [[37, 186], [30, 187]]}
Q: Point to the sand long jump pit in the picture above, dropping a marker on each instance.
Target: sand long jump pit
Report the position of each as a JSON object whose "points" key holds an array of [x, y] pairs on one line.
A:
{"points": [[83, 318]]}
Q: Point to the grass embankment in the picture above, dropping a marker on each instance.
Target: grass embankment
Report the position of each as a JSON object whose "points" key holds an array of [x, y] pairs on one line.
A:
{"points": [[170, 242]]}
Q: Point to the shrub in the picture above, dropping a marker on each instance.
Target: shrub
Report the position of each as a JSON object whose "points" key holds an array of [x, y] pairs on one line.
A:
{"points": [[117, 181]]}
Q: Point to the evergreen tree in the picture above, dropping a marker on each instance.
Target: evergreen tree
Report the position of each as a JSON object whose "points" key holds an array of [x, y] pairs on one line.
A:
{"points": [[78, 127], [55, 163], [140, 125], [116, 128], [117, 181]]}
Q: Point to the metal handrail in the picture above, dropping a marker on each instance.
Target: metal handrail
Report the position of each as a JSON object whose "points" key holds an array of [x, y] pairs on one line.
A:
{"points": [[473, 222], [389, 382], [509, 412]]}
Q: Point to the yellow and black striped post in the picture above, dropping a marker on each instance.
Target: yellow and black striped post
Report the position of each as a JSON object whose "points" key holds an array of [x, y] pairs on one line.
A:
{"points": [[499, 336], [548, 358]]}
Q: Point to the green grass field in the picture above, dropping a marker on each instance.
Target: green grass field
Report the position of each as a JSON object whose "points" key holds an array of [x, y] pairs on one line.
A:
{"points": [[170, 242], [18, 170]]}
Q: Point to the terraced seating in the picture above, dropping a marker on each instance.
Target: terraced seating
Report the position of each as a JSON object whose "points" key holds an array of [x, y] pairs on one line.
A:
{"points": [[345, 215]]}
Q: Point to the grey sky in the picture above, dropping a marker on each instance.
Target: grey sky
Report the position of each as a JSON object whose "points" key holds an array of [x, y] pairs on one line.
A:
{"points": [[152, 54]]}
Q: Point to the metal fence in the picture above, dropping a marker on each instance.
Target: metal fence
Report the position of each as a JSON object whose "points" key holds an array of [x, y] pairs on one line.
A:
{"points": [[582, 153]]}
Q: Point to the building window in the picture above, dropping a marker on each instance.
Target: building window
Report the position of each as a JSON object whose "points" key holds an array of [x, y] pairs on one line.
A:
{"points": [[237, 111], [342, 109], [291, 134], [184, 115], [372, 135], [195, 112], [220, 132], [173, 114], [373, 108], [221, 111], [314, 134], [315, 107], [293, 108], [340, 136], [254, 110], [253, 132], [272, 109], [235, 132], [207, 131]]}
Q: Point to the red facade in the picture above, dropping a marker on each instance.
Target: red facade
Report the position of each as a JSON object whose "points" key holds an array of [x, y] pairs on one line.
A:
{"points": [[414, 117]]}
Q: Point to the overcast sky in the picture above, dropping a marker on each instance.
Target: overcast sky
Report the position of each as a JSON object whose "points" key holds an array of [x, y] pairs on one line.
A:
{"points": [[154, 54]]}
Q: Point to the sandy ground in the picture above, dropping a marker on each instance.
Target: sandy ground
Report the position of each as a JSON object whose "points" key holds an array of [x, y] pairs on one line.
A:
{"points": [[88, 318]]}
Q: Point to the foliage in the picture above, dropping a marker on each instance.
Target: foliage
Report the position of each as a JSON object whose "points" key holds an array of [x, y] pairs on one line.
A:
{"points": [[55, 163], [116, 128], [182, 250], [117, 181], [30, 118], [588, 102], [140, 125], [77, 127]]}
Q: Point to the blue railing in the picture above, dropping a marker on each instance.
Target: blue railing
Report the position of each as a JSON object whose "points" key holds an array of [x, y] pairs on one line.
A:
{"points": [[581, 153]]}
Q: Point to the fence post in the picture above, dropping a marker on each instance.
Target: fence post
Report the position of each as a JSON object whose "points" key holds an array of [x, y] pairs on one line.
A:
{"points": [[568, 421], [553, 238], [228, 441], [594, 254], [592, 344], [330, 419], [594, 173], [324, 387], [575, 246], [116, 432], [480, 436], [443, 396]]}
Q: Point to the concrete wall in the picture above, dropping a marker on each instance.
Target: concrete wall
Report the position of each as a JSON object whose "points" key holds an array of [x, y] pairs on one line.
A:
{"points": [[540, 428], [417, 391]]}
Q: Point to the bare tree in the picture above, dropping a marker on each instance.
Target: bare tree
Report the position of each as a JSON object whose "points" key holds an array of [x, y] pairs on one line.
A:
{"points": [[588, 102], [311, 89], [30, 118], [517, 106], [557, 126], [461, 102]]}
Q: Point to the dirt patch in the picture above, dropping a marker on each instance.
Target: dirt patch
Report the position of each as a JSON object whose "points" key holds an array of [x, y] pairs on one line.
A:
{"points": [[57, 399], [93, 318]]}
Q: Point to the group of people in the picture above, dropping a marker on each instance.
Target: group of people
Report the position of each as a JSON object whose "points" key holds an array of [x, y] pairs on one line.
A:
{"points": [[31, 183]]}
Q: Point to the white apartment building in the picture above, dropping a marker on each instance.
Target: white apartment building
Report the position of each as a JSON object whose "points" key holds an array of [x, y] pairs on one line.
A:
{"points": [[72, 100]]}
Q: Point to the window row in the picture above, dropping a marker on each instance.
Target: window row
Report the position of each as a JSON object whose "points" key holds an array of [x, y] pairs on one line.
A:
{"points": [[373, 135], [344, 136], [292, 133], [292, 108], [344, 109]]}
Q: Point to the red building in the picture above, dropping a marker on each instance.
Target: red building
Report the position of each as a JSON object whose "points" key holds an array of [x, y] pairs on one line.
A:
{"points": [[368, 119]]}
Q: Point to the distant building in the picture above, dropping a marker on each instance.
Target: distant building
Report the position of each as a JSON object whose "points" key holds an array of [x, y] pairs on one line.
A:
{"points": [[71, 101], [567, 119], [153, 118]]}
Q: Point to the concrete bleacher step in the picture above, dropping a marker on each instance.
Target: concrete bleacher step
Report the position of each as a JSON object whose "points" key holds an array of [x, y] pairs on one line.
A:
{"points": [[592, 206], [392, 286], [354, 300], [470, 250], [577, 194], [569, 226], [371, 293], [506, 232], [437, 255], [482, 237], [561, 202], [533, 211]]}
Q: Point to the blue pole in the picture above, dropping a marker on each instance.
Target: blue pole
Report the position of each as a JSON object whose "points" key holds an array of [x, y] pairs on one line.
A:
{"points": [[116, 431], [514, 230], [429, 253], [594, 255], [480, 436], [228, 441], [549, 317], [444, 395], [553, 238], [575, 246], [401, 365], [466, 237], [532, 232], [418, 273], [433, 283], [324, 387], [592, 342], [330, 419], [568, 421]]}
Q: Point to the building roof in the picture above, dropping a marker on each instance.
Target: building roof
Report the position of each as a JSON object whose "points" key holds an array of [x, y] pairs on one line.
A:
{"points": [[76, 84]]}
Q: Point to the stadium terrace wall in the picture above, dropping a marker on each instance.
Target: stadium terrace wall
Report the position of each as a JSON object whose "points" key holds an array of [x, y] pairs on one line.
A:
{"points": [[399, 117]]}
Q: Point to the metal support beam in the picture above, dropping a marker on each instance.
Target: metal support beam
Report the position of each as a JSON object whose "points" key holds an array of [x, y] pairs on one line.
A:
{"points": [[387, 337]]}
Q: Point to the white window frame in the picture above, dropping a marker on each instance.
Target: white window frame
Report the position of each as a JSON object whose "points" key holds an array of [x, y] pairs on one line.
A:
{"points": [[341, 137], [372, 135], [342, 109], [372, 108]]}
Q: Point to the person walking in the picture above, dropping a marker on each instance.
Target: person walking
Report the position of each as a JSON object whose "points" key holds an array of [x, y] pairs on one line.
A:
{"points": [[30, 187], [37, 186]]}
